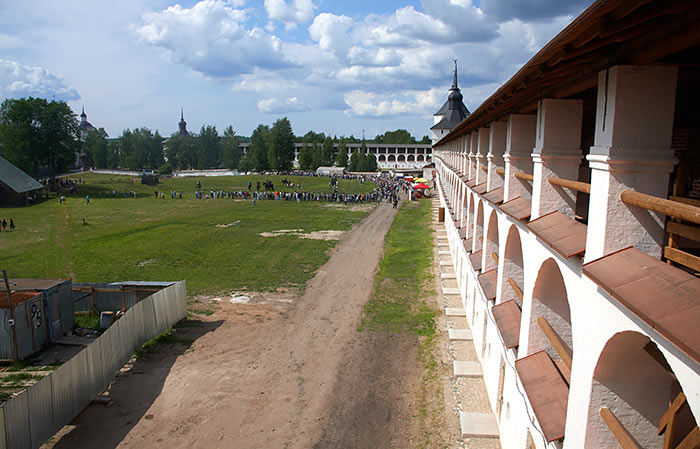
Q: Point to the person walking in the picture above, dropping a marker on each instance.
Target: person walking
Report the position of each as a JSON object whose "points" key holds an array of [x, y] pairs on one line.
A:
{"points": [[4, 224], [87, 199], [12, 224]]}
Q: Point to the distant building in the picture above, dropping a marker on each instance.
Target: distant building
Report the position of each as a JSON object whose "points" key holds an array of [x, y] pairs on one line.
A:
{"points": [[81, 160], [182, 124], [451, 114], [16, 187]]}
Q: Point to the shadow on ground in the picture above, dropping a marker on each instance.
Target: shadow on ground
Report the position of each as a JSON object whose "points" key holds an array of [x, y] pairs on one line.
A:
{"points": [[132, 394]]}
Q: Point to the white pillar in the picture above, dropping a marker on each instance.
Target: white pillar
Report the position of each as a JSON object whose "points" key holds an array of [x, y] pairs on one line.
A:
{"points": [[480, 154], [557, 153], [497, 146], [473, 148], [520, 142], [634, 126]]}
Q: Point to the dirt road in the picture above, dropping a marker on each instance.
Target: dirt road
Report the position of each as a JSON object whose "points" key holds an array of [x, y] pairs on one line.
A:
{"points": [[284, 374]]}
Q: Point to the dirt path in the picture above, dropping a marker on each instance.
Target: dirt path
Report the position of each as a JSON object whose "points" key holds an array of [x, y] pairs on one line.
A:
{"points": [[281, 375]]}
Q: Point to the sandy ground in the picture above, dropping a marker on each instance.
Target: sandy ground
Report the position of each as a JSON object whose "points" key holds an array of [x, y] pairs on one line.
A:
{"points": [[273, 373]]}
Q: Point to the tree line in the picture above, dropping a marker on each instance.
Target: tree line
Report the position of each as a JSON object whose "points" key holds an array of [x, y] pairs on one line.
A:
{"points": [[36, 133]]}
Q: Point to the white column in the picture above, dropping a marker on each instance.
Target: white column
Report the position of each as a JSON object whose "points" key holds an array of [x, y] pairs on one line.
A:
{"points": [[497, 146], [480, 154], [473, 148], [634, 126], [557, 153], [520, 142]]}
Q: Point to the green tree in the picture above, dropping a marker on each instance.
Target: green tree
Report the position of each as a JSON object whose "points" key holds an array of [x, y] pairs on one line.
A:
{"points": [[367, 163], [180, 151], [327, 153], [36, 133], [140, 149], [306, 157], [400, 136], [113, 153], [354, 161], [208, 147], [256, 158], [341, 158], [280, 153], [96, 147], [426, 140], [230, 149]]}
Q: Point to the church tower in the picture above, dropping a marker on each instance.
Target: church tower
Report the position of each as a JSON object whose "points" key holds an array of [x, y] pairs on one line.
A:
{"points": [[452, 112], [182, 125]]}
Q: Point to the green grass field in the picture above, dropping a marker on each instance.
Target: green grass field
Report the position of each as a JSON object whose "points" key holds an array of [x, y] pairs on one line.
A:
{"points": [[172, 239]]}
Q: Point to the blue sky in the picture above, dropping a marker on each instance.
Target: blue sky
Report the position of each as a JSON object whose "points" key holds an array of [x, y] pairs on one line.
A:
{"points": [[328, 65]]}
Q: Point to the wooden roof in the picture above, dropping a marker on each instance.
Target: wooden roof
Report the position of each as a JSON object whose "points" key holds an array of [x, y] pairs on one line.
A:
{"points": [[547, 392], [518, 208], [468, 244], [664, 297], [475, 259], [481, 188], [488, 281], [495, 196], [565, 235], [608, 33], [507, 315]]}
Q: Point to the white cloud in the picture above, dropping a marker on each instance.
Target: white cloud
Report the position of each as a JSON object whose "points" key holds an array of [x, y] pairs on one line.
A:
{"points": [[332, 33], [293, 13], [369, 104], [282, 106], [17, 80], [211, 38]]}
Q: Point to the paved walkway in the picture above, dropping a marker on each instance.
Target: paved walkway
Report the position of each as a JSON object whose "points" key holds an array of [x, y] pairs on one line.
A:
{"points": [[466, 393]]}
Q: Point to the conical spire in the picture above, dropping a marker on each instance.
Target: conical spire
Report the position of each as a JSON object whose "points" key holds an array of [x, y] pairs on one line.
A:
{"points": [[83, 115], [183, 124], [454, 81]]}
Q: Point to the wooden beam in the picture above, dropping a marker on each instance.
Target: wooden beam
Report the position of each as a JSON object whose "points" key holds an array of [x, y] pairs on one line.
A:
{"points": [[684, 200], [683, 258], [621, 434], [500, 171], [524, 176], [569, 184], [689, 232], [555, 340], [691, 441], [671, 412], [518, 291], [494, 255], [661, 205]]}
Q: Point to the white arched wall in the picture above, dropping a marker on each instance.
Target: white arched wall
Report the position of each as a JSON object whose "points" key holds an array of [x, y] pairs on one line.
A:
{"points": [[549, 301], [491, 243], [635, 387], [512, 265]]}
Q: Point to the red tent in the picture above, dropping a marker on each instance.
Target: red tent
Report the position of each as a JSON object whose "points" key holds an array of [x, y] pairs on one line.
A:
{"points": [[421, 186]]}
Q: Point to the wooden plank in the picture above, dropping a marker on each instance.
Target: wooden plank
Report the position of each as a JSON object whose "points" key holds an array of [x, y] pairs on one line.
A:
{"points": [[683, 258], [691, 441], [507, 316], [621, 434], [555, 340], [518, 291], [671, 412], [689, 232], [684, 200]]}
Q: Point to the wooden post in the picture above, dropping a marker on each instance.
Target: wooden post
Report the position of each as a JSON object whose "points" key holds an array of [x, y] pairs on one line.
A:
{"points": [[91, 308], [15, 348], [123, 298]]}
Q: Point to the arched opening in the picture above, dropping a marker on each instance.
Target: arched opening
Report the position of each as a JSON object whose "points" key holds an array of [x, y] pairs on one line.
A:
{"points": [[633, 382], [550, 323], [419, 158], [513, 273], [479, 227], [382, 158], [391, 158], [402, 158], [411, 158], [491, 244]]}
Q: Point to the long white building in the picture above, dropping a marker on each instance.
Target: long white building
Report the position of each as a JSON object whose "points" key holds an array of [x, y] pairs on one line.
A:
{"points": [[389, 155], [572, 212]]}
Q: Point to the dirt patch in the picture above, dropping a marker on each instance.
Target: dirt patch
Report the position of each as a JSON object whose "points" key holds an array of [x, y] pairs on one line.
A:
{"points": [[314, 235], [227, 225], [355, 207], [281, 371]]}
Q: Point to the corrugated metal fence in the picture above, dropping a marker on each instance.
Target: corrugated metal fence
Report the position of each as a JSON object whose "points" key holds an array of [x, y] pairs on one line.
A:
{"points": [[33, 416]]}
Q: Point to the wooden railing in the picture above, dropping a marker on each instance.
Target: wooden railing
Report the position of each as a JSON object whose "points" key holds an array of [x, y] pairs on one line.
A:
{"points": [[501, 171], [556, 341], [569, 184], [524, 176], [621, 434], [678, 210], [516, 288]]}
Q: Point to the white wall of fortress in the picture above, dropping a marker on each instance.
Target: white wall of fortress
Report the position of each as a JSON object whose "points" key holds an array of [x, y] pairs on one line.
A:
{"points": [[595, 319]]}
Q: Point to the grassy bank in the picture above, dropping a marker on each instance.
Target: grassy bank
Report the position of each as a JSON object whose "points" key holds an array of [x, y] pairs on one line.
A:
{"points": [[399, 305], [214, 244]]}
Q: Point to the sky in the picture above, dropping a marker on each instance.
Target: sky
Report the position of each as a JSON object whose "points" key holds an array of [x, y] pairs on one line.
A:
{"points": [[332, 66]]}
